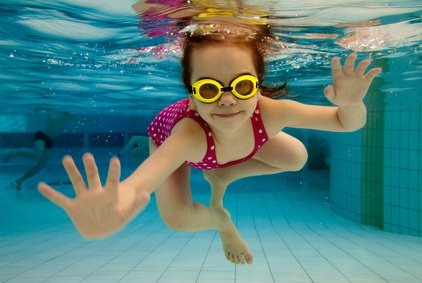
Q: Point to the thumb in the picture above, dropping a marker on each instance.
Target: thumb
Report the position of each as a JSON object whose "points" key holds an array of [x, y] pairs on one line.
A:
{"points": [[329, 93]]}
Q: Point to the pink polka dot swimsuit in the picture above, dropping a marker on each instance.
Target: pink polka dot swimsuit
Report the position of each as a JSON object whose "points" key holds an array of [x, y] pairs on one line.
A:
{"points": [[160, 129]]}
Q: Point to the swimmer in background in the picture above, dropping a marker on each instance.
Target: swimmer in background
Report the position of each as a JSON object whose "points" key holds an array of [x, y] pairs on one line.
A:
{"points": [[42, 144], [135, 147], [230, 126]]}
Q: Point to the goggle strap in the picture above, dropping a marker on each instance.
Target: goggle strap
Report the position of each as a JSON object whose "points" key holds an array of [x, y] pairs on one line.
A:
{"points": [[226, 88]]}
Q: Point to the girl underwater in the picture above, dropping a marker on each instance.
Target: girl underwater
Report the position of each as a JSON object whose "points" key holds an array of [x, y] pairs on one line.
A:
{"points": [[228, 126]]}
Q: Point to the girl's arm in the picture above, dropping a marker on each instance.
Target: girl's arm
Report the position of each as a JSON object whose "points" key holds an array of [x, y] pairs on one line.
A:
{"points": [[100, 210], [347, 92], [186, 143]]}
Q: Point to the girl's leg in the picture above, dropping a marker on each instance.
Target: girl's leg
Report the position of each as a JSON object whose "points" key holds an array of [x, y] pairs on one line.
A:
{"points": [[235, 248], [28, 153], [41, 162], [280, 154], [175, 204], [180, 212], [35, 153]]}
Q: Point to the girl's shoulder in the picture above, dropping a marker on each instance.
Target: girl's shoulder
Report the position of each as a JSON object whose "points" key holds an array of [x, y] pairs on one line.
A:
{"points": [[275, 113], [192, 136]]}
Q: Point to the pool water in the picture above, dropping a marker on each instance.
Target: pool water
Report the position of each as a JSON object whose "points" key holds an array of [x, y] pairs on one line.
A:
{"points": [[353, 214]]}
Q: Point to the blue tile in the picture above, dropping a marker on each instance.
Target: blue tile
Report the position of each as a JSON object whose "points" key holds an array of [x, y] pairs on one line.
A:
{"points": [[404, 197], [404, 217], [414, 200], [414, 220]]}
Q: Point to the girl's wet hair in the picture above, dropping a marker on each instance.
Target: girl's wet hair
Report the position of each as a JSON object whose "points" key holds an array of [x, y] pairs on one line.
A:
{"points": [[257, 40]]}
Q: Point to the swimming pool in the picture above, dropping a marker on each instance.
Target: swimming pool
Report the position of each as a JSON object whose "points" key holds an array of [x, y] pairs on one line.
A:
{"points": [[353, 214]]}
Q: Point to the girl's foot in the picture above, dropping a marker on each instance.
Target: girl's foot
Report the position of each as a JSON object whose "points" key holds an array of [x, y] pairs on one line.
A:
{"points": [[235, 248], [14, 186]]}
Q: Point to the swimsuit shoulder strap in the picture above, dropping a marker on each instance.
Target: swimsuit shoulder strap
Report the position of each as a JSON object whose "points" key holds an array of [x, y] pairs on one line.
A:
{"points": [[210, 154], [260, 134]]}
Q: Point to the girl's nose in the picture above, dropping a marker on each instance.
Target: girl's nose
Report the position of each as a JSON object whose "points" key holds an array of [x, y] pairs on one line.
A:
{"points": [[227, 99]]}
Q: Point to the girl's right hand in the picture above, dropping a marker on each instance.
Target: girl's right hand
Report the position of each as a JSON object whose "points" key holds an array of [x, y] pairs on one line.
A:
{"points": [[97, 211]]}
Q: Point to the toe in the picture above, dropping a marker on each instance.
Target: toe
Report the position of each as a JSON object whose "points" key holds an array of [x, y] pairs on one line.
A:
{"points": [[248, 258], [227, 254], [242, 259], [229, 257], [235, 259]]}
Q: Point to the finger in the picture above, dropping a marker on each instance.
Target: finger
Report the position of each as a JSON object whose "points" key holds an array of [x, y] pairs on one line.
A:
{"points": [[349, 64], [336, 67], [329, 93], [54, 196], [91, 170], [373, 73], [74, 175], [361, 68], [113, 176]]}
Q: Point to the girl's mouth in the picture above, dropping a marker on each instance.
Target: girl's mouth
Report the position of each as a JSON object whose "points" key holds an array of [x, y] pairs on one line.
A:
{"points": [[227, 115]]}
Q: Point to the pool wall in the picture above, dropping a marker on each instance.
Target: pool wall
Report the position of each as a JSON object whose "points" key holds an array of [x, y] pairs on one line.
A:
{"points": [[376, 173]]}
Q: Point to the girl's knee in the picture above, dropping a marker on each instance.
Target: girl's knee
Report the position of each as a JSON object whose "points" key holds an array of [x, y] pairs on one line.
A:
{"points": [[299, 158], [296, 157]]}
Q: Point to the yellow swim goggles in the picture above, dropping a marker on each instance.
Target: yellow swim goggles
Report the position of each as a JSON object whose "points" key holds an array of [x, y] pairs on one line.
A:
{"points": [[208, 90]]}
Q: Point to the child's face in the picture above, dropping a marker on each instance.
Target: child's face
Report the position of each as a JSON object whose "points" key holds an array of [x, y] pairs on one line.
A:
{"points": [[223, 63]]}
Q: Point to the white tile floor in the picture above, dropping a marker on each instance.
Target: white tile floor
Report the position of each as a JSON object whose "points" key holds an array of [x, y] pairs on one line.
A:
{"points": [[294, 236]]}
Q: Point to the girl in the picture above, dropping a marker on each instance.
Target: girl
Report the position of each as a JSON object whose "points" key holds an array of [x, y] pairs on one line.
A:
{"points": [[227, 126]]}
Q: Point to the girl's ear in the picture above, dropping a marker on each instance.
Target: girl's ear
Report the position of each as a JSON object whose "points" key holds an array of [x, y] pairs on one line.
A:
{"points": [[192, 105], [259, 95]]}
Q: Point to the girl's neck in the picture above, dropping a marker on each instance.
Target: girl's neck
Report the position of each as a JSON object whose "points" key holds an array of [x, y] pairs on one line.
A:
{"points": [[231, 137]]}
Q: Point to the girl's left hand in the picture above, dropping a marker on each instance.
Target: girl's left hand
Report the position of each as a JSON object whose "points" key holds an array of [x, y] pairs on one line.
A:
{"points": [[350, 85]]}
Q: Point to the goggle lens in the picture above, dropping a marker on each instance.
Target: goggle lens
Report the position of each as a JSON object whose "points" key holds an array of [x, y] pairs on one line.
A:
{"points": [[244, 87], [209, 90]]}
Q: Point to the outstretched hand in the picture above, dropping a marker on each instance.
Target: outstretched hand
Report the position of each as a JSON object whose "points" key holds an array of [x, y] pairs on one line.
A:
{"points": [[350, 85], [97, 211]]}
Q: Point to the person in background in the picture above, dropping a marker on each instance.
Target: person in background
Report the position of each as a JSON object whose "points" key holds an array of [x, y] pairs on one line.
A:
{"points": [[43, 142], [135, 147]]}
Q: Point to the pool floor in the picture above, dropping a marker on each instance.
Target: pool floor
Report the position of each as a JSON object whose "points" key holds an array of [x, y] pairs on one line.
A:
{"points": [[294, 236]]}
